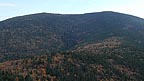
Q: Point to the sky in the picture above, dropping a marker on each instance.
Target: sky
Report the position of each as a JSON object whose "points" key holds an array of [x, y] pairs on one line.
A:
{"points": [[12, 8]]}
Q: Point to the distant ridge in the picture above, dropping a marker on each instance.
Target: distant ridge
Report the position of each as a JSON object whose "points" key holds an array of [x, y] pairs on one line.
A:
{"points": [[56, 32], [99, 46]]}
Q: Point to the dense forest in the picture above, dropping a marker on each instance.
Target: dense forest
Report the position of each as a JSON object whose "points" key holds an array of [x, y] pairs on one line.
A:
{"points": [[104, 46]]}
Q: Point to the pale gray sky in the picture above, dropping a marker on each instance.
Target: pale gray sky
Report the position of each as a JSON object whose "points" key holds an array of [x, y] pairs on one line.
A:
{"points": [[12, 8]]}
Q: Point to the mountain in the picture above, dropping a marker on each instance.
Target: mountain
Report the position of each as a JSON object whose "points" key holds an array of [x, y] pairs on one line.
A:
{"points": [[105, 46], [45, 32]]}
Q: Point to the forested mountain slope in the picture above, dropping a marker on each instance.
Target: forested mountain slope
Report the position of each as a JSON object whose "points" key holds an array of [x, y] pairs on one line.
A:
{"points": [[103, 46], [45, 32]]}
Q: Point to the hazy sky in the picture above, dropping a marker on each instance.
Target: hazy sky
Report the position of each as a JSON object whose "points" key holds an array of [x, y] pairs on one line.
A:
{"points": [[12, 8]]}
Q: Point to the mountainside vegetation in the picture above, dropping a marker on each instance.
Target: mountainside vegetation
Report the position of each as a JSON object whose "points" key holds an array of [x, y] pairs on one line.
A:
{"points": [[104, 46]]}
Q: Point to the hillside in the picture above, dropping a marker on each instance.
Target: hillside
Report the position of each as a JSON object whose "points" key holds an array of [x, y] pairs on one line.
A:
{"points": [[45, 32], [106, 46], [115, 63]]}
